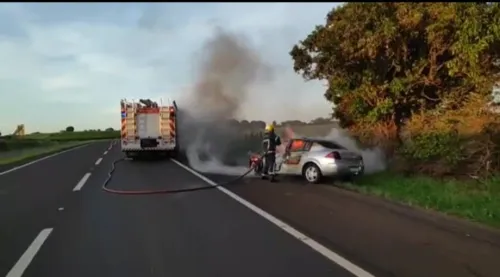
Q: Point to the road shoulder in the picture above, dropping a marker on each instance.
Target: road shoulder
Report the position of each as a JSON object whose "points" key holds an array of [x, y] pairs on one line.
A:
{"points": [[377, 234]]}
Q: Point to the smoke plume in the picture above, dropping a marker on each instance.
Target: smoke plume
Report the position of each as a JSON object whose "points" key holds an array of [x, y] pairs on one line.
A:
{"points": [[227, 70], [227, 73]]}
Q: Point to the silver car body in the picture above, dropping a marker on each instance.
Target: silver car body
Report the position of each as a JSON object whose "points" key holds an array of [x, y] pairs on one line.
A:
{"points": [[316, 151]]}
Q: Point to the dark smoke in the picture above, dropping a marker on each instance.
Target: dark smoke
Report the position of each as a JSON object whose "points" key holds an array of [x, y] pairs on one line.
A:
{"points": [[227, 70]]}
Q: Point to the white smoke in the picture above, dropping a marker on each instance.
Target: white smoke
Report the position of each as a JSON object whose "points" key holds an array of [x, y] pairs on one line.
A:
{"points": [[373, 159], [211, 164]]}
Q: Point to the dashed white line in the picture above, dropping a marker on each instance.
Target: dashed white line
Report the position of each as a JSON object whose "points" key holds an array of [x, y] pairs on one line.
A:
{"points": [[82, 182], [29, 254], [329, 254], [98, 161], [105, 152]]}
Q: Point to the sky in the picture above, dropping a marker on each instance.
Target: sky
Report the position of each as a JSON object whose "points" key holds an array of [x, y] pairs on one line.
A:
{"points": [[70, 64]]}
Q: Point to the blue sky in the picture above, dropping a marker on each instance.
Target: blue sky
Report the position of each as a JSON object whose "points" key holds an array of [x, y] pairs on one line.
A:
{"points": [[70, 64]]}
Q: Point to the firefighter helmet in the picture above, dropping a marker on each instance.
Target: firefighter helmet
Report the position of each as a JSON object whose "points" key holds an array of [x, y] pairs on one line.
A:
{"points": [[269, 128]]}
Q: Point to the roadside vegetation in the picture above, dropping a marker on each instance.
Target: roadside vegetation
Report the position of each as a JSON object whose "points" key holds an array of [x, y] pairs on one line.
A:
{"points": [[416, 79], [19, 148]]}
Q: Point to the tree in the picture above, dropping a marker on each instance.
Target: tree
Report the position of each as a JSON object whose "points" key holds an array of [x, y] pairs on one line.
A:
{"points": [[244, 123], [258, 124], [386, 61], [110, 129], [70, 129], [320, 120], [292, 122]]}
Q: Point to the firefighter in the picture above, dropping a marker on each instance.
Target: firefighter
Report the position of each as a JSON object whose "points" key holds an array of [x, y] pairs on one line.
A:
{"points": [[269, 143]]}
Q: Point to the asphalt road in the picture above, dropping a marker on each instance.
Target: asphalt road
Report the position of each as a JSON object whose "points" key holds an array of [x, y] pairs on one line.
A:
{"points": [[55, 224], [56, 221]]}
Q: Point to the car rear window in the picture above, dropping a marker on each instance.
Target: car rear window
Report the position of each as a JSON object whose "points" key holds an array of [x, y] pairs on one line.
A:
{"points": [[329, 144]]}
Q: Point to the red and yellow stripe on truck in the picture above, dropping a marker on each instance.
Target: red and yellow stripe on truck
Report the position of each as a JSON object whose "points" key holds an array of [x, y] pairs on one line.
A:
{"points": [[172, 122]]}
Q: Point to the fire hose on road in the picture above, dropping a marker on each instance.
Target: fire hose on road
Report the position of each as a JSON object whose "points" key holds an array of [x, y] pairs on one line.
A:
{"points": [[167, 191]]}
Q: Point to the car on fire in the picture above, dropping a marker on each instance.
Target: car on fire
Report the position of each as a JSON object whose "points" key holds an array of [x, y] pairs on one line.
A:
{"points": [[313, 159]]}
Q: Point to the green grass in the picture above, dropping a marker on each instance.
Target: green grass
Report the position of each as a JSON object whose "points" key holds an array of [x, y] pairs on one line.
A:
{"points": [[12, 156], [13, 149], [472, 200], [75, 136]]}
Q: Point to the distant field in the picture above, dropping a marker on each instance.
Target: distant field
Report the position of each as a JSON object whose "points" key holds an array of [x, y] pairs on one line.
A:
{"points": [[13, 149], [73, 136], [7, 157]]}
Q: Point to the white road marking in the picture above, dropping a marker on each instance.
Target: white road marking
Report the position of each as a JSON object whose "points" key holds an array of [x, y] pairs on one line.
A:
{"points": [[82, 182], [41, 159], [61, 209], [105, 152], [329, 254], [29, 254], [98, 161]]}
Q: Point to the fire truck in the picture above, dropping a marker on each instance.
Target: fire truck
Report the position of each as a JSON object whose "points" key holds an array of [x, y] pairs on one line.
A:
{"points": [[147, 127]]}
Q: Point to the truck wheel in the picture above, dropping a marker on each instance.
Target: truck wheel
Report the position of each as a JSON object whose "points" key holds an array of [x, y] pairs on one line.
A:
{"points": [[312, 173]]}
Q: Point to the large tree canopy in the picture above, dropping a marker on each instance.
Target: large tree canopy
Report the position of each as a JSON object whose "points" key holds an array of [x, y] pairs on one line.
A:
{"points": [[387, 61]]}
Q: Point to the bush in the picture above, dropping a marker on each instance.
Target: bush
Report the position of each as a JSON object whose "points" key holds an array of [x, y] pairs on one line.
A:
{"points": [[463, 141]]}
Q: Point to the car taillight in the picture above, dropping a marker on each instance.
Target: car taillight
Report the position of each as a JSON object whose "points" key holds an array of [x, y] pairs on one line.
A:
{"points": [[333, 155]]}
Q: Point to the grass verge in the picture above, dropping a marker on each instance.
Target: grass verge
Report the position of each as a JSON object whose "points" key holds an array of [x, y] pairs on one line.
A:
{"points": [[472, 200], [25, 154]]}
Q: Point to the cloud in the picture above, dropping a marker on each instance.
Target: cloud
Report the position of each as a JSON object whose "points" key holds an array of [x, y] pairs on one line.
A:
{"points": [[72, 63]]}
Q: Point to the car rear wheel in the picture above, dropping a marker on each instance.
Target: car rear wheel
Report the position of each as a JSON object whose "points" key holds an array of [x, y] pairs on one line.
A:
{"points": [[312, 173]]}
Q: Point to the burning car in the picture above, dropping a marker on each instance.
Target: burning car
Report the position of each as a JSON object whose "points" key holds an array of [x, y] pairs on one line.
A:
{"points": [[313, 159]]}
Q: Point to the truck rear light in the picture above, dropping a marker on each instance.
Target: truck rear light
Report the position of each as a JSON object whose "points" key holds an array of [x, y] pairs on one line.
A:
{"points": [[333, 155]]}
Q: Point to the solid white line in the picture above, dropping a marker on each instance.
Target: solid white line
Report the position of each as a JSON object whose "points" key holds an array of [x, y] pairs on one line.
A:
{"points": [[29, 254], [329, 254], [41, 159], [105, 152], [82, 182], [98, 161]]}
